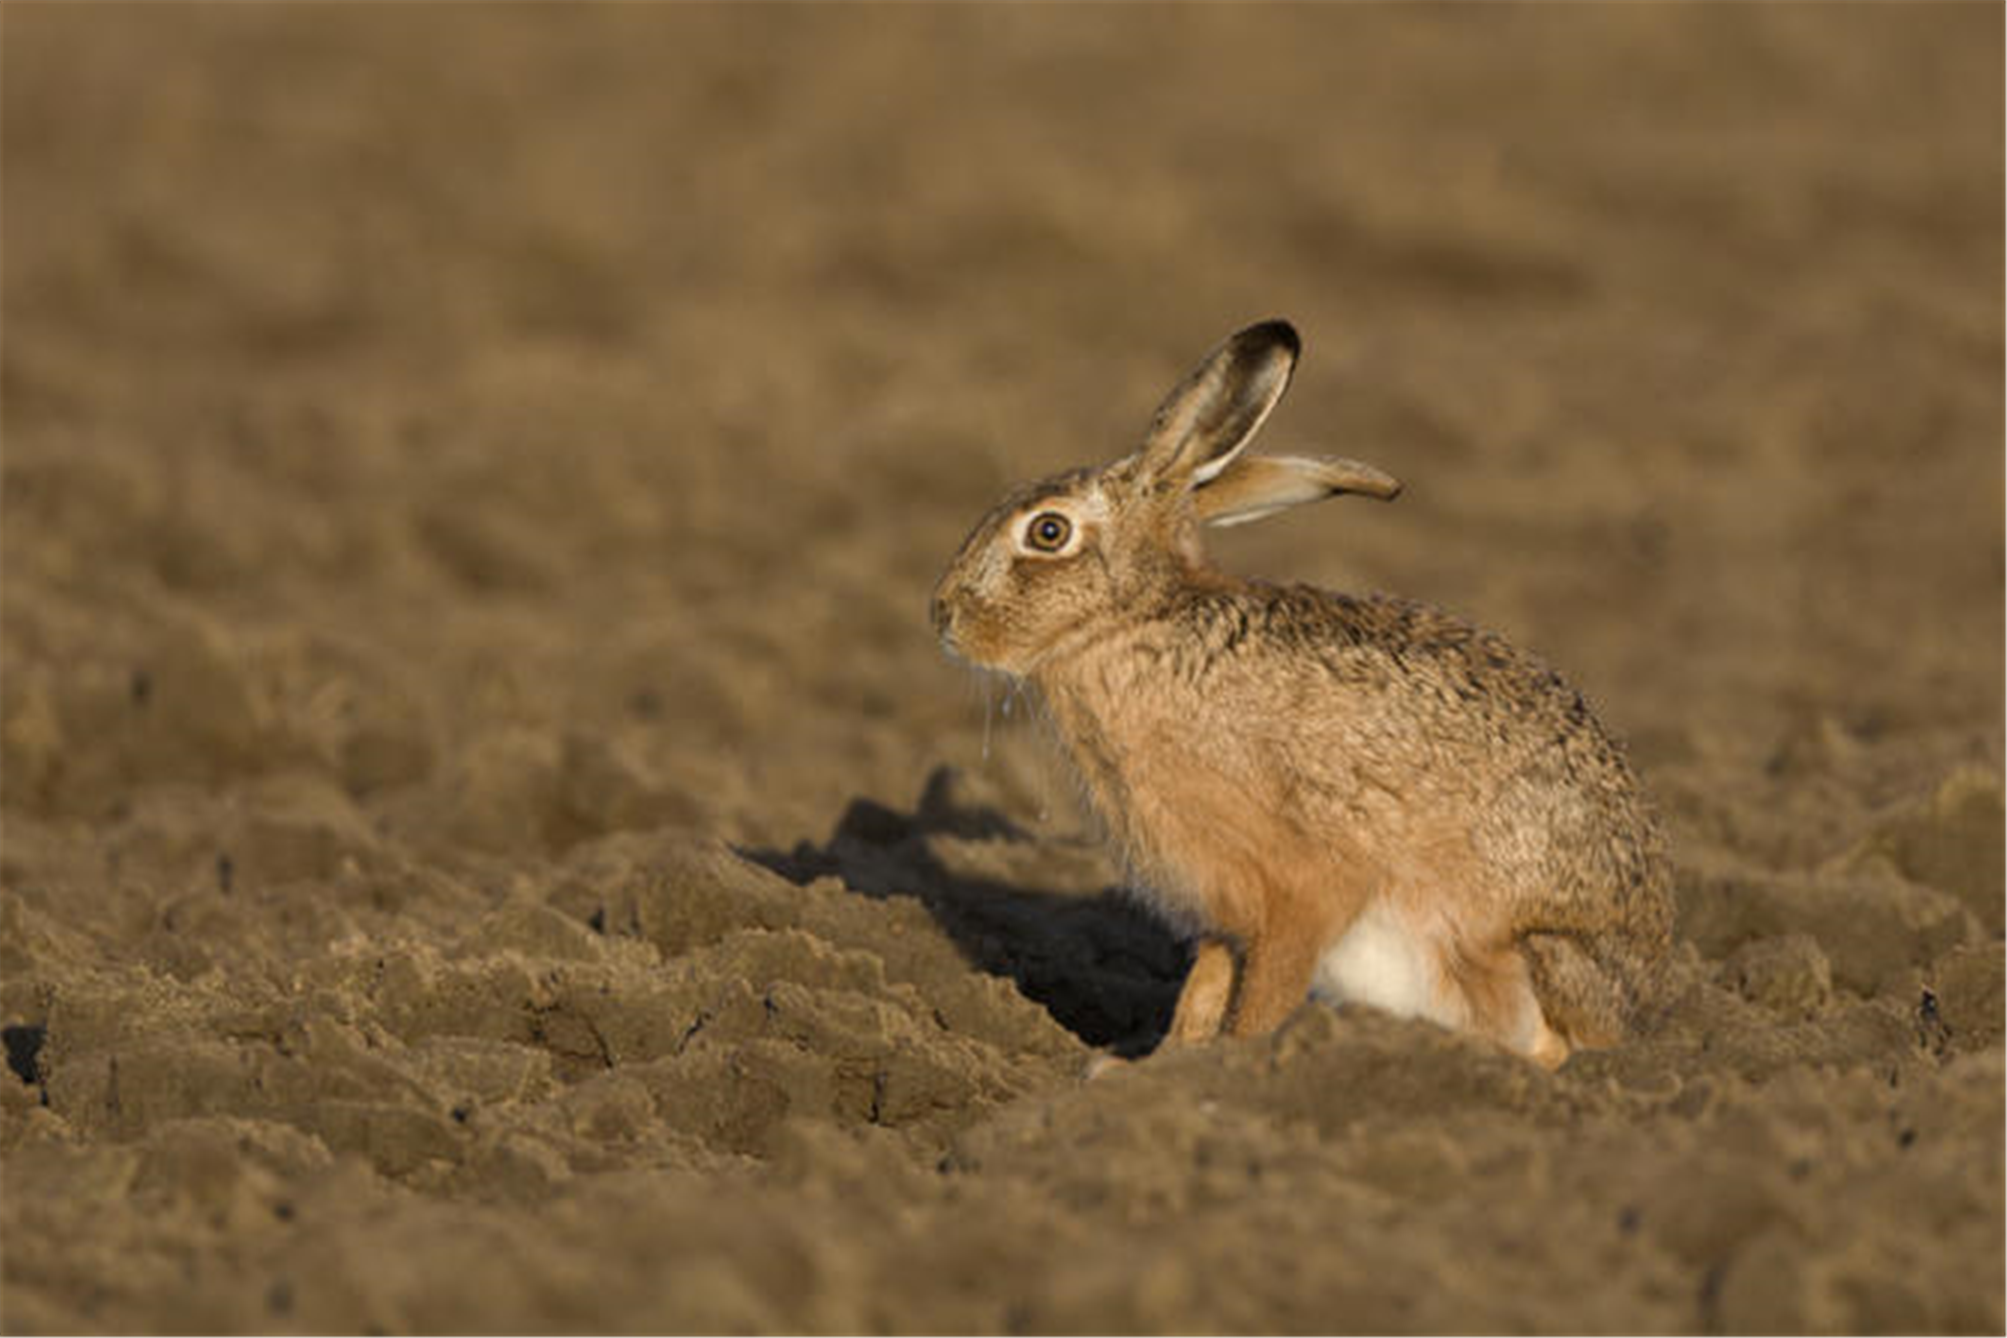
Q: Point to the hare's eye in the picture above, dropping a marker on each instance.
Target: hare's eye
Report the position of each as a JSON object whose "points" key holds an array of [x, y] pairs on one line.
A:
{"points": [[1048, 531]]}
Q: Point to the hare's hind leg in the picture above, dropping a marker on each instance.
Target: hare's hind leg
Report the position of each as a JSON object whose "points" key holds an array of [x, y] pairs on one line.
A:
{"points": [[1582, 998]]}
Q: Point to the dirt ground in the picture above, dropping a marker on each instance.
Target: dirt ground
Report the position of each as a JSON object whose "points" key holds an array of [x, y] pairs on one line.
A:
{"points": [[490, 840]]}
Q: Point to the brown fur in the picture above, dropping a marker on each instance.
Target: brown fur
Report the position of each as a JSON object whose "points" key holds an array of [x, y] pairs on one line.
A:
{"points": [[1273, 762]]}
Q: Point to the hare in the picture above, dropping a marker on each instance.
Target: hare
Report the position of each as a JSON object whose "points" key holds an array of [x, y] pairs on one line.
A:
{"points": [[1353, 798]]}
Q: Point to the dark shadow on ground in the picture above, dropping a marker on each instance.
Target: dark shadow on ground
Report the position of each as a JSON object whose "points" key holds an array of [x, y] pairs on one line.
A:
{"points": [[1106, 970]]}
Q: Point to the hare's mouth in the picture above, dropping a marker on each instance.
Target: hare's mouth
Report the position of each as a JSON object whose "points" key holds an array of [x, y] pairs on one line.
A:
{"points": [[944, 628], [952, 644], [958, 649], [949, 616], [956, 645]]}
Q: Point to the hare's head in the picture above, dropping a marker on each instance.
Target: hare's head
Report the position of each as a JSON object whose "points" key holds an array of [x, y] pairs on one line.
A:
{"points": [[1071, 558]]}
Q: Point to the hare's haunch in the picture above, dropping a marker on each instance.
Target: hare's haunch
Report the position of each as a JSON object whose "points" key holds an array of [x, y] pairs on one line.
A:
{"points": [[1361, 798]]}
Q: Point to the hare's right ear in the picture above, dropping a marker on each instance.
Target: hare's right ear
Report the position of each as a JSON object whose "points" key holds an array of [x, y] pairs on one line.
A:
{"points": [[1213, 413], [1261, 485]]}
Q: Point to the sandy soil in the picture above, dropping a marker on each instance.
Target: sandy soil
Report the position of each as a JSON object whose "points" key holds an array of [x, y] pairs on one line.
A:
{"points": [[490, 842]]}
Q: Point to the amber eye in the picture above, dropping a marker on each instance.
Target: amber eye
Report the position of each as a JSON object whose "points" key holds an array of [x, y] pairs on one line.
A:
{"points": [[1048, 531]]}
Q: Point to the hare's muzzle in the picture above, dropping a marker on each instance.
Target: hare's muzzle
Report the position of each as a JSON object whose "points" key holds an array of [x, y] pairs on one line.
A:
{"points": [[951, 614], [943, 620]]}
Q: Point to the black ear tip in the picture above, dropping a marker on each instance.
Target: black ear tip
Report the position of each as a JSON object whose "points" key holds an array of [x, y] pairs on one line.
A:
{"points": [[1275, 333]]}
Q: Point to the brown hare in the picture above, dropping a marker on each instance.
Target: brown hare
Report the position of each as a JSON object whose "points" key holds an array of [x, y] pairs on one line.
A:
{"points": [[1359, 798]]}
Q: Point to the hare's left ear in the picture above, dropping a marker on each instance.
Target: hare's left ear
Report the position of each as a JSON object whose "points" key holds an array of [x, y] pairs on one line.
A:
{"points": [[1213, 413]]}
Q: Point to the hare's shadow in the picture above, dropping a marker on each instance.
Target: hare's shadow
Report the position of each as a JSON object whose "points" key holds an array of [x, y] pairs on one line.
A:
{"points": [[1105, 969]]}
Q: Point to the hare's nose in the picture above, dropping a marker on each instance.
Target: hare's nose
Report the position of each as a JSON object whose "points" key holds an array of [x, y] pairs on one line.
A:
{"points": [[941, 611]]}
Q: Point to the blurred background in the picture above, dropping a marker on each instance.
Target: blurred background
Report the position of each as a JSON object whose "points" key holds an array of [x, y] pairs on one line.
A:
{"points": [[636, 369], [442, 442]]}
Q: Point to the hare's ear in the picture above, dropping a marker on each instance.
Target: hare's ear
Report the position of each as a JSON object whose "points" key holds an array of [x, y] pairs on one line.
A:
{"points": [[1203, 423], [1261, 485]]}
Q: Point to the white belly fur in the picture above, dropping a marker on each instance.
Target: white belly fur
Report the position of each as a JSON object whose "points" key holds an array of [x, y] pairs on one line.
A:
{"points": [[1382, 961]]}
